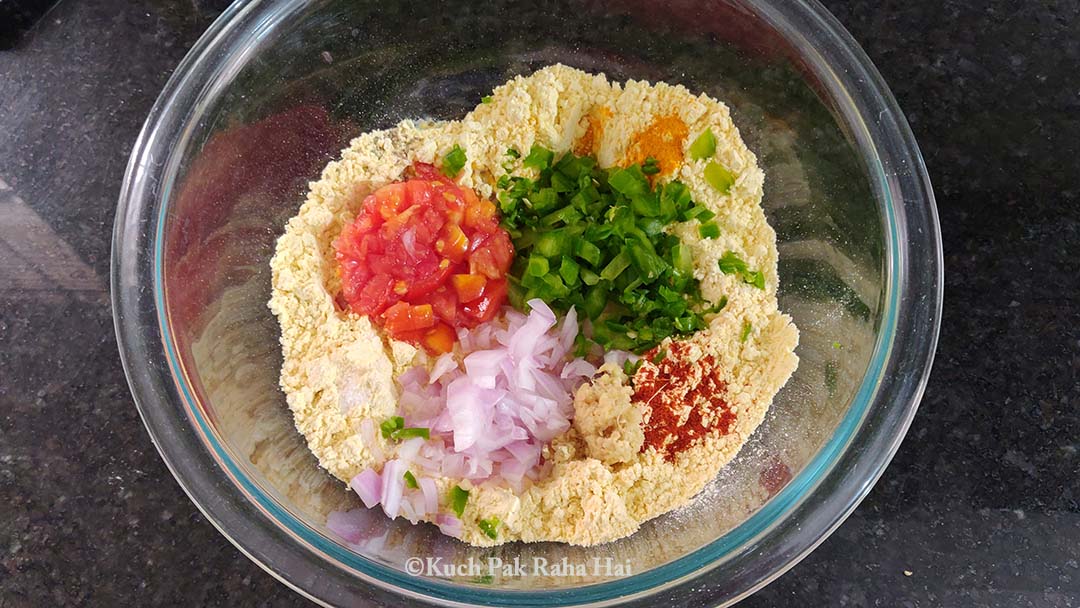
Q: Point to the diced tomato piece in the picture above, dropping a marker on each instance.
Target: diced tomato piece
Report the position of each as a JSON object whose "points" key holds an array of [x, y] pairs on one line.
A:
{"points": [[469, 196], [453, 244], [480, 213], [430, 223], [445, 303], [440, 339], [390, 200], [492, 256], [375, 296], [419, 192], [484, 308], [402, 317], [430, 279], [396, 223], [427, 171], [468, 286], [340, 302]]}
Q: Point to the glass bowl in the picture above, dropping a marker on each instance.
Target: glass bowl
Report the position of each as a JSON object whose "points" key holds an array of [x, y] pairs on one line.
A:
{"points": [[273, 91]]}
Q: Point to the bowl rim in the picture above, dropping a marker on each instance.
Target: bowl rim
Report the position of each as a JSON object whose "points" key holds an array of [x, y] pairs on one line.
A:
{"points": [[878, 418]]}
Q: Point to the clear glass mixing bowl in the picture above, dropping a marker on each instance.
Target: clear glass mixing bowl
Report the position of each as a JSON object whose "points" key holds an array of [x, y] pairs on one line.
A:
{"points": [[276, 88]]}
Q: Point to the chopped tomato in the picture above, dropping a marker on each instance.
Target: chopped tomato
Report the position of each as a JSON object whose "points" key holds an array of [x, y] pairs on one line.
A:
{"points": [[389, 200], [491, 255], [440, 339], [454, 244], [445, 304], [484, 308], [469, 286], [423, 257], [432, 279], [402, 317], [480, 212]]}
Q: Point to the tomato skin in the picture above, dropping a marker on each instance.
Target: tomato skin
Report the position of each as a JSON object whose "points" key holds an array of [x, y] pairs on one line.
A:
{"points": [[480, 213], [423, 257]]}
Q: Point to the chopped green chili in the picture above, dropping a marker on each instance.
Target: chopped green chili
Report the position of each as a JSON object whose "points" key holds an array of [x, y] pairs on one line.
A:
{"points": [[651, 166], [489, 527], [719, 177], [730, 263], [391, 425], [458, 498], [709, 230], [704, 146], [411, 432], [454, 162]]}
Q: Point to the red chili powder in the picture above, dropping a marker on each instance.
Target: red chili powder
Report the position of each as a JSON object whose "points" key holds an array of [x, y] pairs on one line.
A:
{"points": [[684, 400]]}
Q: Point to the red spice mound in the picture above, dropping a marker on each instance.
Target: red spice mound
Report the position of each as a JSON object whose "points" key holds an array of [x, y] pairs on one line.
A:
{"points": [[424, 256], [683, 398]]}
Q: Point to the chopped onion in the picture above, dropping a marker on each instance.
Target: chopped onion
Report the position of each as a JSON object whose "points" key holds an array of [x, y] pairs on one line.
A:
{"points": [[449, 525], [619, 357], [578, 368], [368, 486], [371, 440], [569, 330], [442, 365], [431, 495], [489, 415], [409, 450], [393, 486]]}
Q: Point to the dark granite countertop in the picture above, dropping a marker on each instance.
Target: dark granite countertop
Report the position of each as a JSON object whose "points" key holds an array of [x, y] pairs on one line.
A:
{"points": [[981, 506]]}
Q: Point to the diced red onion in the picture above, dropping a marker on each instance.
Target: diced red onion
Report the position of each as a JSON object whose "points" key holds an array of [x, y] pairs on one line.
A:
{"points": [[431, 494], [619, 357], [578, 368], [568, 332], [442, 365], [371, 440], [450, 525], [409, 450], [368, 486], [393, 486], [414, 375]]}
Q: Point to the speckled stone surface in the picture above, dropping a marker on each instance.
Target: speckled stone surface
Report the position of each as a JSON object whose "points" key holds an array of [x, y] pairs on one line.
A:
{"points": [[981, 506]]}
